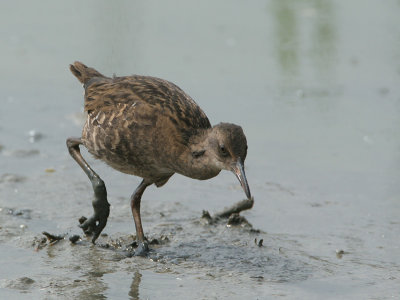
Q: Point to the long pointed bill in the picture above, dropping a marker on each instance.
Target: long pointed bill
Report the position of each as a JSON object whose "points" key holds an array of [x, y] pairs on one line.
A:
{"points": [[238, 169]]}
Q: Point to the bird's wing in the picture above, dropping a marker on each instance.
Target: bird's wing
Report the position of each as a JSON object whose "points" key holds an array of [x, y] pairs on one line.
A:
{"points": [[154, 96]]}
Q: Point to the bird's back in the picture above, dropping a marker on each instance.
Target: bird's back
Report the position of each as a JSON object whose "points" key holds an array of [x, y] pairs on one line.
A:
{"points": [[131, 119]]}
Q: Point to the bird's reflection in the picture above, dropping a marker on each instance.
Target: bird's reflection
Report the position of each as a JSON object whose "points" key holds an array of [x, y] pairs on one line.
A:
{"points": [[293, 25], [96, 288], [134, 291]]}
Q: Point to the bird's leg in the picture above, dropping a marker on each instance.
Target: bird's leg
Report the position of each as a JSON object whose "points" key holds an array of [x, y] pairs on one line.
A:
{"points": [[135, 206], [96, 223]]}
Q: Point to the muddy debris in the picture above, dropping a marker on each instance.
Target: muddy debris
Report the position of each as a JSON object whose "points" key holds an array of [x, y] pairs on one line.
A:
{"points": [[206, 215], [124, 244], [258, 278], [39, 243], [128, 244], [232, 214], [52, 237], [238, 220], [154, 242], [120, 243], [236, 208], [259, 243], [74, 238], [340, 253], [160, 241]]}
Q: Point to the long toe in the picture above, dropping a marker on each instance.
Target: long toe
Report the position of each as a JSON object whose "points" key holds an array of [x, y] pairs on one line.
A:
{"points": [[94, 225], [87, 225], [99, 228]]}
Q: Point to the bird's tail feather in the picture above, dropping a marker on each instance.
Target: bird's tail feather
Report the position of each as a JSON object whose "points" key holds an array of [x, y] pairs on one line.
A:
{"points": [[84, 73]]}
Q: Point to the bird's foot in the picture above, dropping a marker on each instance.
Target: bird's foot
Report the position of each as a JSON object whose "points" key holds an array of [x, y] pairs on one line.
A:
{"points": [[96, 223], [142, 249]]}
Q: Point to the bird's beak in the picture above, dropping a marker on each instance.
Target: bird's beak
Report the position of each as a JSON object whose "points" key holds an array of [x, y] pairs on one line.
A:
{"points": [[238, 169]]}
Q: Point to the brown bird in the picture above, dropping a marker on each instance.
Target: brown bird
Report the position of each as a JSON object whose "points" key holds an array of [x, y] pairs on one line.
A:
{"points": [[149, 127]]}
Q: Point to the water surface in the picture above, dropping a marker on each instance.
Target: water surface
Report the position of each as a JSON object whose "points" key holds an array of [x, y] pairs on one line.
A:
{"points": [[314, 84]]}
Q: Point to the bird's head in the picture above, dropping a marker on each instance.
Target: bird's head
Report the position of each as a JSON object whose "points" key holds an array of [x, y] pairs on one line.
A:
{"points": [[227, 150]]}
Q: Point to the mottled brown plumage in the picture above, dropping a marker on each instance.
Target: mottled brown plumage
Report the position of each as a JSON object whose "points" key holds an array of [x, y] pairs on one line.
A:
{"points": [[149, 127]]}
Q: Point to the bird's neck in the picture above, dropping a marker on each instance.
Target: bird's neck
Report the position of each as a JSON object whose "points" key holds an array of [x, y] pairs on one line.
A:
{"points": [[195, 162]]}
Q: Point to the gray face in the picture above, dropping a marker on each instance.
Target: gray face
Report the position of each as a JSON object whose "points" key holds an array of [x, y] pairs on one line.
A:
{"points": [[229, 145]]}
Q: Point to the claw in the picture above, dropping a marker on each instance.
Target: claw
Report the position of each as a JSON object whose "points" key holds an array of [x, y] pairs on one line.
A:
{"points": [[96, 223]]}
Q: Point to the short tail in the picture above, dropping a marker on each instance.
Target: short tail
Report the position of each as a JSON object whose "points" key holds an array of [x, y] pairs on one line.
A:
{"points": [[83, 73]]}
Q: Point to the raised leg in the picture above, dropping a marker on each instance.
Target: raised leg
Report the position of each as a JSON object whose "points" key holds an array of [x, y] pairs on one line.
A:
{"points": [[96, 223], [135, 207]]}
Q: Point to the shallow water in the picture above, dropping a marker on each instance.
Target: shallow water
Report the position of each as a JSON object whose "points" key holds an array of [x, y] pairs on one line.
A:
{"points": [[314, 85]]}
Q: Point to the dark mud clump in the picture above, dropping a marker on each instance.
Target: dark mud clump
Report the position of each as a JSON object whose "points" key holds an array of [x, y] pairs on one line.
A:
{"points": [[232, 214], [73, 239], [48, 239], [258, 243], [340, 253], [238, 220], [53, 238]]}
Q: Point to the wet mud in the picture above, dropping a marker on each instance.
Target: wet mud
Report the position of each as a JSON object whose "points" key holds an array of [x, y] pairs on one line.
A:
{"points": [[188, 249], [183, 247]]}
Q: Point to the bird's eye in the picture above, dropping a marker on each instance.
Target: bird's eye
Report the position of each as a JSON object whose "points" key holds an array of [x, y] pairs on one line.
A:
{"points": [[223, 151]]}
